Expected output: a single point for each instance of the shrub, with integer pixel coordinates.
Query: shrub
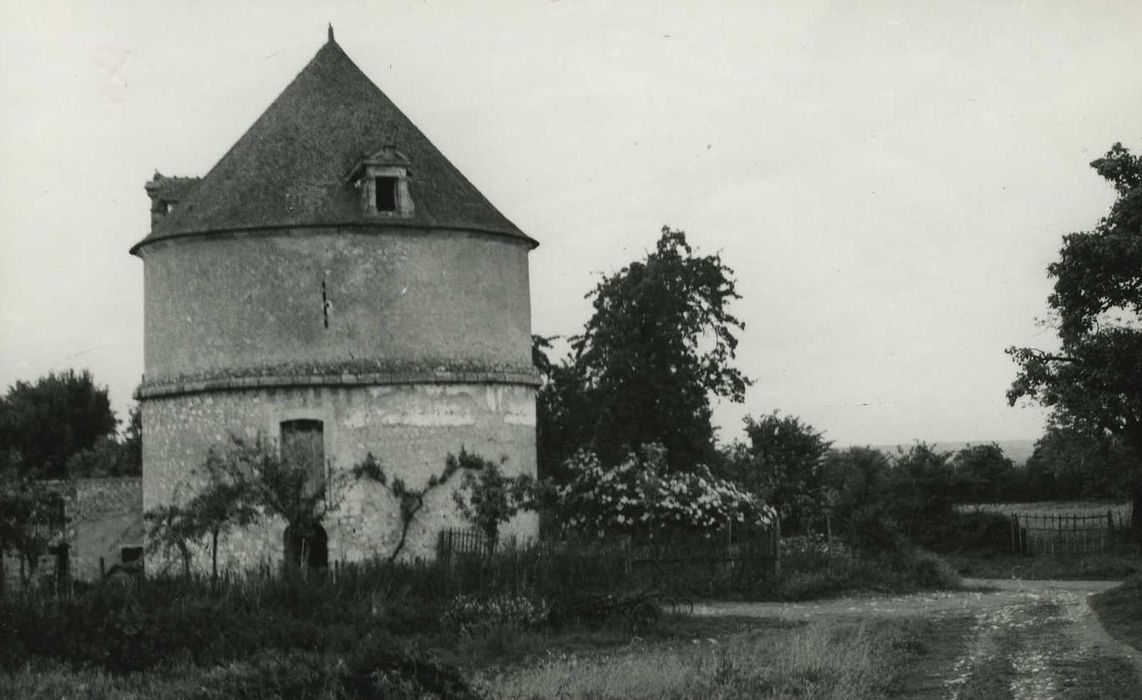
(127, 629)
(487, 498)
(815, 568)
(472, 614)
(926, 570)
(813, 550)
(273, 674)
(975, 532)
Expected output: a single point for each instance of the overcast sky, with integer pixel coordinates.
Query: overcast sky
(888, 180)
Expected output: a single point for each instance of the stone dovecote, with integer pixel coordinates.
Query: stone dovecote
(334, 281)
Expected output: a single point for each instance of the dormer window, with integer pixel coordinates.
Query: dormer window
(383, 182)
(166, 193)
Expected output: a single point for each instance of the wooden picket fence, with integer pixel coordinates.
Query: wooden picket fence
(1059, 533)
(694, 564)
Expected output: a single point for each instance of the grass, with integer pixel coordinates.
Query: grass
(385, 630)
(183, 681)
(273, 674)
(507, 648)
(1120, 611)
(1083, 567)
(1119, 508)
(822, 660)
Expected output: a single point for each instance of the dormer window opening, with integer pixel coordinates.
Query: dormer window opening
(386, 193)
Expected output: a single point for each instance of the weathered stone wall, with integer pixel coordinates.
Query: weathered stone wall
(410, 428)
(104, 516)
(396, 298)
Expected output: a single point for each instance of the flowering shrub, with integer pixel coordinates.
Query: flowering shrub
(639, 496)
(810, 550)
(472, 614)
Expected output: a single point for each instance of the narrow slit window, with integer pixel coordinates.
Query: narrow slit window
(386, 194)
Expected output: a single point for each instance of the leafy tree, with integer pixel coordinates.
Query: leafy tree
(858, 475)
(1093, 382)
(132, 442)
(223, 503)
(1068, 463)
(487, 497)
(42, 424)
(921, 488)
(31, 520)
(107, 457)
(564, 414)
(659, 344)
(245, 480)
(782, 461)
(171, 528)
(281, 482)
(984, 473)
(862, 509)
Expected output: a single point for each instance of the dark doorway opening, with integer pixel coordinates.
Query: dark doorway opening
(303, 448)
(62, 555)
(307, 549)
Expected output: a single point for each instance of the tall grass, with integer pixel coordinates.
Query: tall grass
(823, 660)
(131, 628)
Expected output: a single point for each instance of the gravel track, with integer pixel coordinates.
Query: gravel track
(1013, 639)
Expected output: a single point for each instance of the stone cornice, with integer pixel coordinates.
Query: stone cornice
(291, 229)
(193, 385)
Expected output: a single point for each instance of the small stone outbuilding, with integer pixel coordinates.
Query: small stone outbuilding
(97, 531)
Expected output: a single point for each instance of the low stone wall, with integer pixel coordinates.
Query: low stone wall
(105, 515)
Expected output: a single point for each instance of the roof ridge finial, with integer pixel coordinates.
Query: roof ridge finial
(331, 34)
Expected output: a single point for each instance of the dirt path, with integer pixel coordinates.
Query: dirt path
(1018, 640)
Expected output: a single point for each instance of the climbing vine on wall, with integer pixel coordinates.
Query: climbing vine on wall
(411, 500)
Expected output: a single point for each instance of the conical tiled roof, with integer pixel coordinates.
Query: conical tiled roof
(290, 167)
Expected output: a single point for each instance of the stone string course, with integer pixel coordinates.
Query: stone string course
(189, 386)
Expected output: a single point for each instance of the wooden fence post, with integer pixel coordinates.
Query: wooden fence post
(775, 538)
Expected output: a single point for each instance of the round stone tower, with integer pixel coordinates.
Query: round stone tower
(334, 280)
